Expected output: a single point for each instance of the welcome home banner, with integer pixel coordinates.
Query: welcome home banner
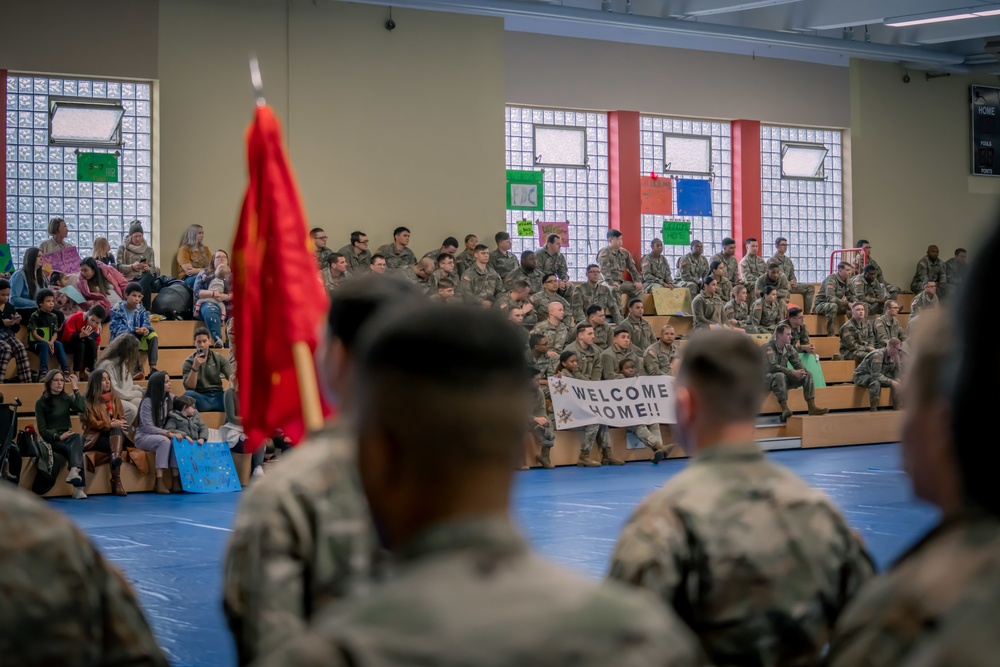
(626, 402)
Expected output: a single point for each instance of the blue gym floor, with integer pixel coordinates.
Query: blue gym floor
(171, 547)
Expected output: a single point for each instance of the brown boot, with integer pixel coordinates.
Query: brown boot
(160, 487)
(117, 445)
(785, 411)
(608, 460)
(815, 410)
(586, 462)
(175, 484)
(544, 459)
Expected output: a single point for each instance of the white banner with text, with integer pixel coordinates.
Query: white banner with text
(627, 402)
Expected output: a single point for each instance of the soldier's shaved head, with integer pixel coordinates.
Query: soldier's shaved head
(725, 370)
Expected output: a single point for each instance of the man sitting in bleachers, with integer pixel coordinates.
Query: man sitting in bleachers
(555, 328)
(527, 272)
(868, 290)
(887, 326)
(929, 268)
(856, 336)
(881, 368)
(926, 300)
(591, 292)
(834, 296)
(203, 372)
(655, 268)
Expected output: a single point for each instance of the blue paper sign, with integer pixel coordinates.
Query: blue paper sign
(207, 468)
(694, 197)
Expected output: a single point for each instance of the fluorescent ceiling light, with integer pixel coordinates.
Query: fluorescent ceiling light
(85, 122)
(940, 17)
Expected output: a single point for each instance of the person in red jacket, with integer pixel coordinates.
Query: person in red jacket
(81, 335)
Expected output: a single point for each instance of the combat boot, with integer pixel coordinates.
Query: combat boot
(608, 460)
(586, 462)
(785, 411)
(815, 410)
(544, 459)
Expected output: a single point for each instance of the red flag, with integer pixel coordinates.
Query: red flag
(279, 301)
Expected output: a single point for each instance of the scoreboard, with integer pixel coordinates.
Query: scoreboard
(985, 130)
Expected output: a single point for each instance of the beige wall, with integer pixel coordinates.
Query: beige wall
(588, 74)
(911, 159)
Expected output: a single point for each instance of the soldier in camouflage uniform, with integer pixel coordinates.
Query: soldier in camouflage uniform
(728, 258)
(693, 267)
(752, 267)
(639, 330)
(966, 636)
(603, 332)
(926, 300)
(775, 278)
(448, 247)
(468, 590)
(421, 274)
(323, 252)
(359, 257)
(594, 292)
(765, 313)
(857, 338)
(780, 378)
(518, 298)
(302, 539)
(588, 355)
(648, 434)
(887, 326)
(655, 268)
(543, 359)
(445, 269)
(614, 260)
(502, 260)
(929, 268)
(481, 284)
(551, 260)
(880, 368)
(398, 256)
(736, 312)
(621, 348)
(527, 272)
(554, 327)
(800, 335)
(834, 296)
(336, 272)
(725, 288)
(569, 366)
(62, 603)
(859, 267)
(869, 291)
(899, 614)
(467, 257)
(657, 358)
(756, 562)
(707, 306)
(548, 294)
(788, 268)
(956, 268)
(540, 423)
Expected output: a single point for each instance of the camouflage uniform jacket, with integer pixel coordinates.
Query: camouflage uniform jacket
(614, 262)
(396, 260)
(656, 272)
(778, 358)
(732, 266)
(534, 279)
(752, 267)
(586, 295)
(955, 272)
(885, 328)
(503, 263)
(879, 366)
(928, 270)
(426, 285)
(856, 338)
(693, 269)
(894, 614)
(859, 268)
(641, 333)
(612, 358)
(464, 260)
(833, 290)
(62, 603)
(724, 290)
(591, 360)
(765, 315)
(781, 285)
(302, 540)
(800, 336)
(707, 311)
(786, 264)
(478, 285)
(922, 301)
(868, 293)
(756, 562)
(473, 593)
(432, 255)
(736, 311)
(552, 263)
(356, 263)
(603, 335)
(657, 358)
(505, 304)
(323, 256)
(332, 283)
(558, 335)
(545, 364)
(440, 274)
(541, 301)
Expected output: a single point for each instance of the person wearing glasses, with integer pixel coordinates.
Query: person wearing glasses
(359, 258)
(323, 253)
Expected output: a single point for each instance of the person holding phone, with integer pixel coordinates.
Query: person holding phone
(203, 372)
(137, 262)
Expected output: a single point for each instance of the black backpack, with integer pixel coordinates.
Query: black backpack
(48, 463)
(174, 301)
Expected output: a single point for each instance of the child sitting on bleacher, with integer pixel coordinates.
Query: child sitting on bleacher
(184, 419)
(44, 326)
(64, 304)
(218, 287)
(10, 346)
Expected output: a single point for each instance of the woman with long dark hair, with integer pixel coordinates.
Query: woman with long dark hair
(151, 436)
(52, 419)
(104, 425)
(94, 285)
(26, 281)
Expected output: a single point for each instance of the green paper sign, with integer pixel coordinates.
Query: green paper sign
(525, 190)
(97, 167)
(525, 228)
(6, 260)
(676, 232)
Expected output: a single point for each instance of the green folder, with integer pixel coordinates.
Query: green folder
(813, 366)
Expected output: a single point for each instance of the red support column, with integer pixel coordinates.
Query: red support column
(624, 190)
(746, 183)
(3, 157)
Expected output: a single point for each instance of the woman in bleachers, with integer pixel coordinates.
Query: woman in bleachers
(120, 360)
(137, 262)
(52, 419)
(58, 231)
(26, 281)
(193, 256)
(104, 425)
(102, 251)
(99, 283)
(209, 312)
(548, 294)
(151, 436)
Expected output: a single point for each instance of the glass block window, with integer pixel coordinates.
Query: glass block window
(561, 146)
(41, 179)
(809, 212)
(689, 143)
(576, 194)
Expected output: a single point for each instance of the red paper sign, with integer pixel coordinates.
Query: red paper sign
(560, 228)
(657, 196)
